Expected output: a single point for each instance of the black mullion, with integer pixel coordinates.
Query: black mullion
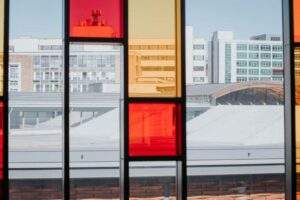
(183, 107)
(98, 40)
(66, 153)
(289, 86)
(5, 101)
(126, 186)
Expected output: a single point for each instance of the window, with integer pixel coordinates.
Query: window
(253, 47)
(253, 71)
(265, 48)
(96, 19)
(265, 64)
(277, 64)
(253, 64)
(198, 57)
(265, 56)
(154, 129)
(241, 63)
(241, 79)
(277, 48)
(241, 71)
(241, 55)
(241, 47)
(265, 72)
(198, 46)
(148, 33)
(253, 55)
(198, 79)
(276, 56)
(198, 68)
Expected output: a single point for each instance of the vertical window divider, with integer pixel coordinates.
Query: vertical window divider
(5, 102)
(289, 105)
(66, 105)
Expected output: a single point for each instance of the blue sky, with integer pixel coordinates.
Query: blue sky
(43, 18)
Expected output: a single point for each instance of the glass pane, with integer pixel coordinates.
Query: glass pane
(94, 120)
(154, 129)
(296, 20)
(96, 19)
(297, 112)
(35, 100)
(152, 180)
(154, 48)
(235, 100)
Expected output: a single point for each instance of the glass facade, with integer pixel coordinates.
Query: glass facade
(219, 131)
(154, 48)
(96, 19)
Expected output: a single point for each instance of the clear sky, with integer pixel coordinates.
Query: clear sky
(43, 18)
(244, 17)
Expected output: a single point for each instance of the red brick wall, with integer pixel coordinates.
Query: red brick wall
(206, 187)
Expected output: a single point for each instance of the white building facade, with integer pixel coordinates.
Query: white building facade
(196, 58)
(258, 59)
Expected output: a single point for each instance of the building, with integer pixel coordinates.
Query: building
(36, 66)
(196, 58)
(258, 59)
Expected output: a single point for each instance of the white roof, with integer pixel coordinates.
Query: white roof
(242, 125)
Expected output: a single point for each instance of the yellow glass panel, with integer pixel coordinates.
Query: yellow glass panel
(154, 48)
(1, 44)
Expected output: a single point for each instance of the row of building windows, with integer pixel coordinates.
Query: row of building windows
(253, 72)
(257, 47)
(198, 47)
(244, 63)
(244, 55)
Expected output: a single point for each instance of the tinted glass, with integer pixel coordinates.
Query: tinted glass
(154, 48)
(154, 129)
(96, 19)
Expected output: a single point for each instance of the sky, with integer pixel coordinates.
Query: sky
(43, 18)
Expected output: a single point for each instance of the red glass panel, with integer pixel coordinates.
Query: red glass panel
(96, 18)
(154, 129)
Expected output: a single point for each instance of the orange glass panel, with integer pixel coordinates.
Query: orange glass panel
(297, 20)
(154, 48)
(154, 129)
(96, 18)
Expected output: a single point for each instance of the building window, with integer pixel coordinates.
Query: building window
(277, 48)
(253, 71)
(241, 71)
(198, 68)
(253, 47)
(241, 55)
(277, 56)
(253, 64)
(241, 47)
(277, 64)
(265, 64)
(198, 46)
(265, 48)
(241, 63)
(198, 79)
(253, 55)
(198, 57)
(265, 72)
(265, 56)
